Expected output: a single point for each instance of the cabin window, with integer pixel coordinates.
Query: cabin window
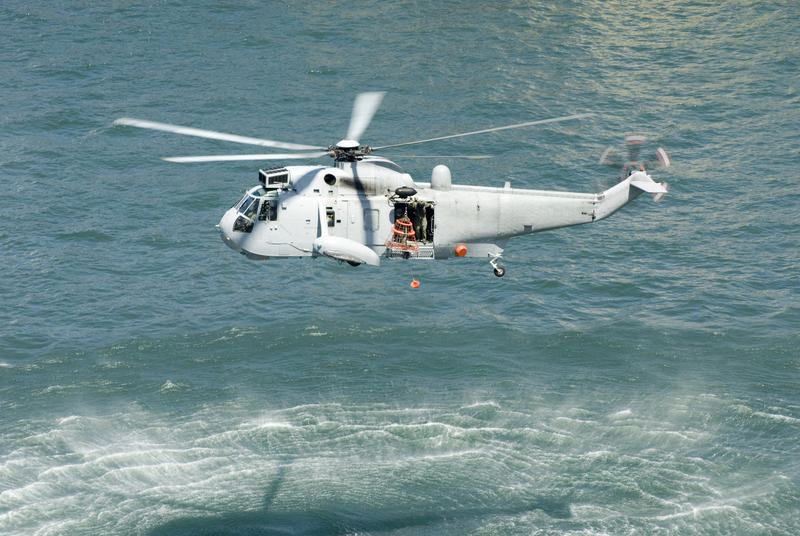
(331, 216)
(372, 219)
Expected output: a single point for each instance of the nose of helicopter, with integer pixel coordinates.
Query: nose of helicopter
(225, 227)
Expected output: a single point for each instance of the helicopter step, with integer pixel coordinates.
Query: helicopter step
(423, 251)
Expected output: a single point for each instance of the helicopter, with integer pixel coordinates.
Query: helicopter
(364, 207)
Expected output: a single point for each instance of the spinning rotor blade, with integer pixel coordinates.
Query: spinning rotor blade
(634, 143)
(465, 156)
(189, 131)
(662, 159)
(611, 158)
(235, 157)
(495, 129)
(364, 108)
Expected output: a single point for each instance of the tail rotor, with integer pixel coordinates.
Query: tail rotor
(634, 143)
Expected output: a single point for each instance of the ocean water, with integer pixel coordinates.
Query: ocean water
(640, 375)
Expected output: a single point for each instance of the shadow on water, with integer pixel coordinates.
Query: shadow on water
(343, 519)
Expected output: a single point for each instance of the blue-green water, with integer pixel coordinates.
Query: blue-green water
(636, 376)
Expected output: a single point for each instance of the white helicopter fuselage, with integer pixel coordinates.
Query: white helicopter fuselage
(366, 207)
(348, 212)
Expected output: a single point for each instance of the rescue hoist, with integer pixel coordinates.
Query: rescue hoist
(403, 236)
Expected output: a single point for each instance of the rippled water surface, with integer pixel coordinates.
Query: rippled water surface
(635, 376)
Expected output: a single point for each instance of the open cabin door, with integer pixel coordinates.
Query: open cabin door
(413, 229)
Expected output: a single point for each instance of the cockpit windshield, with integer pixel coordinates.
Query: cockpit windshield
(259, 203)
(249, 207)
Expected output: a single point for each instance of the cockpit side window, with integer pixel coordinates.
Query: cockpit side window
(269, 210)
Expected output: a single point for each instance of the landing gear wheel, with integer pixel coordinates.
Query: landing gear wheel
(499, 269)
(353, 263)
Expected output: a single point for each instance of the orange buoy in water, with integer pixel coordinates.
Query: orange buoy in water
(415, 284)
(461, 250)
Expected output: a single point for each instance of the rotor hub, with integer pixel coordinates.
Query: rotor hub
(349, 151)
(347, 145)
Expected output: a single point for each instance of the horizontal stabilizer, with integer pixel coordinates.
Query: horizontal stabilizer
(344, 249)
(642, 181)
(651, 186)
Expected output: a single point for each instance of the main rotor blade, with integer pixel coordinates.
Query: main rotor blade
(235, 157)
(465, 156)
(495, 129)
(364, 107)
(189, 131)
